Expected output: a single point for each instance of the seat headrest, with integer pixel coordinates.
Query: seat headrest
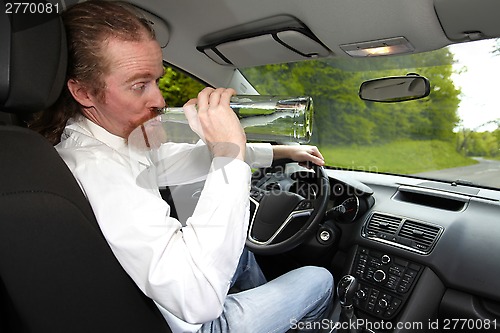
(33, 60)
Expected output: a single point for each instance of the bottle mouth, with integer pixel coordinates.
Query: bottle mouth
(168, 109)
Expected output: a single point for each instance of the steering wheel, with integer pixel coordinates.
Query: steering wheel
(288, 203)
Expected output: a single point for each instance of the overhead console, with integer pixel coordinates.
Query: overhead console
(276, 39)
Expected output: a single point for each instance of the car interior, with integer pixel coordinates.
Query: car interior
(408, 254)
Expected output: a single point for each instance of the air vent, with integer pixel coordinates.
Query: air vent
(405, 233)
(421, 235)
(383, 223)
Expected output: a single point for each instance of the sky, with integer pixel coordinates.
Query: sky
(480, 100)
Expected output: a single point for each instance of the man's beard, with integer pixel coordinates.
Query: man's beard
(149, 134)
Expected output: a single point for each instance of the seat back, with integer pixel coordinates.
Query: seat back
(57, 272)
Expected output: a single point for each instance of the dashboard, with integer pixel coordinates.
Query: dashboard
(421, 250)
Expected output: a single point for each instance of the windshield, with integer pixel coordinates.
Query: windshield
(453, 134)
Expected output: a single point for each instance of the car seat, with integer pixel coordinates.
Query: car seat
(57, 272)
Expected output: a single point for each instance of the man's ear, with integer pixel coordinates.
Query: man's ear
(80, 93)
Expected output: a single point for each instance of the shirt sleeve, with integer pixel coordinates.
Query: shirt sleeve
(173, 158)
(259, 155)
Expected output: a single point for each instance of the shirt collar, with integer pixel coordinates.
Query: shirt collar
(101, 134)
(85, 126)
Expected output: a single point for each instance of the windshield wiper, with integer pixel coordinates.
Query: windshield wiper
(461, 182)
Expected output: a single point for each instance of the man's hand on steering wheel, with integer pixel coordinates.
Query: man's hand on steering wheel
(298, 153)
(287, 207)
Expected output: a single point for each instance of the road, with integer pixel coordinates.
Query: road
(486, 172)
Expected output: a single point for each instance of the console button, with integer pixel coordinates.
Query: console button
(360, 294)
(396, 270)
(395, 303)
(383, 303)
(403, 287)
(389, 312)
(379, 275)
(386, 259)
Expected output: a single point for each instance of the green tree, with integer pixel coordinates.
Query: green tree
(177, 87)
(473, 143)
(341, 117)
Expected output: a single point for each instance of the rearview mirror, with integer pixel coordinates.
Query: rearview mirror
(395, 88)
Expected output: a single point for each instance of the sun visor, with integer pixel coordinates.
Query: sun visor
(276, 44)
(464, 20)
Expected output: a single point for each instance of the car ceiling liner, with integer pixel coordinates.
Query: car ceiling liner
(159, 25)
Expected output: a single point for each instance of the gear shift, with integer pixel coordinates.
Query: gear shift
(345, 290)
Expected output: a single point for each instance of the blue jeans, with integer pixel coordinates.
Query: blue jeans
(304, 294)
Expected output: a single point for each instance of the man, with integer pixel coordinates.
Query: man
(114, 65)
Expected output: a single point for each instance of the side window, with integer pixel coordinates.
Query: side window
(177, 88)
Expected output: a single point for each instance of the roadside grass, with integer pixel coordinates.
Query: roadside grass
(401, 157)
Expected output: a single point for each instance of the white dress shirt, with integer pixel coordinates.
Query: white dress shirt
(186, 270)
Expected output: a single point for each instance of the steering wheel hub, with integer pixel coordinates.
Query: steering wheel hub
(286, 207)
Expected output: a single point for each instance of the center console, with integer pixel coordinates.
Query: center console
(385, 282)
